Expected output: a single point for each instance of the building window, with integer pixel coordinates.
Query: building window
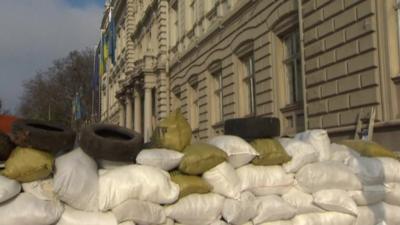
(218, 96)
(191, 17)
(195, 11)
(194, 106)
(292, 62)
(174, 24)
(291, 82)
(176, 98)
(226, 6)
(249, 84)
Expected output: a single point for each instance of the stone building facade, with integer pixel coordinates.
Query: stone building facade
(311, 63)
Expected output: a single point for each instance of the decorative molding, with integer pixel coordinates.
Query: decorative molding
(176, 90)
(215, 66)
(244, 48)
(193, 80)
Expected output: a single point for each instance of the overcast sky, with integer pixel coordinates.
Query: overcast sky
(33, 33)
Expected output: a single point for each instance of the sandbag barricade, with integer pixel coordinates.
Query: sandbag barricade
(312, 182)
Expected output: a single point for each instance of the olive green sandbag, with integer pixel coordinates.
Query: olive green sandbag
(270, 152)
(369, 148)
(189, 184)
(200, 157)
(27, 165)
(173, 132)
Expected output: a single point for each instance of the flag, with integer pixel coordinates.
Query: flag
(111, 38)
(105, 49)
(101, 56)
(77, 107)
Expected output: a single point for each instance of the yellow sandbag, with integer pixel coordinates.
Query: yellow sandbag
(369, 148)
(198, 158)
(271, 152)
(27, 165)
(173, 132)
(189, 184)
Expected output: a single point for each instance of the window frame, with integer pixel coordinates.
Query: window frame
(218, 93)
(293, 61)
(194, 106)
(248, 77)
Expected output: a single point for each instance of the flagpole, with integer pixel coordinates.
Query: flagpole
(93, 74)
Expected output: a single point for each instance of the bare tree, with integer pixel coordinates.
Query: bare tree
(49, 95)
(2, 110)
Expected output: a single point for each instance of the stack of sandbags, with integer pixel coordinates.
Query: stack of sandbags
(29, 168)
(301, 181)
(267, 181)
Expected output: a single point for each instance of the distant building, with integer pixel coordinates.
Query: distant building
(223, 59)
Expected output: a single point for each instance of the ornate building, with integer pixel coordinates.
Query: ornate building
(223, 59)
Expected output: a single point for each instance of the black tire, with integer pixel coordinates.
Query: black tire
(6, 146)
(253, 128)
(46, 136)
(111, 142)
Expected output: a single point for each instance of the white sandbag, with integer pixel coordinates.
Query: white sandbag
(169, 221)
(369, 195)
(197, 209)
(302, 154)
(109, 165)
(382, 223)
(301, 201)
(224, 180)
(218, 222)
(279, 222)
(253, 176)
(392, 193)
(8, 188)
(326, 218)
(327, 175)
(369, 170)
(140, 212)
(238, 150)
(342, 153)
(101, 172)
(41, 189)
(75, 217)
(335, 200)
(374, 171)
(27, 209)
(164, 159)
(76, 180)
(136, 182)
(319, 139)
(130, 223)
(273, 208)
(238, 212)
(374, 214)
(276, 190)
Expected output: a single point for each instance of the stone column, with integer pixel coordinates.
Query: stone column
(138, 109)
(129, 112)
(147, 113)
(122, 113)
